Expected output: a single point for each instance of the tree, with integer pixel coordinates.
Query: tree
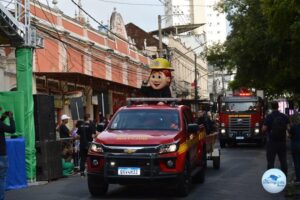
(263, 44)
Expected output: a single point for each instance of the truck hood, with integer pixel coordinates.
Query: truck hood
(137, 137)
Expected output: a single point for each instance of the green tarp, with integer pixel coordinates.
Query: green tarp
(14, 101)
(24, 84)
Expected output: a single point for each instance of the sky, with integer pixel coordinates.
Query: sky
(144, 16)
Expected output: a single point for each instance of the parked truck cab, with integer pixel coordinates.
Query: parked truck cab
(147, 143)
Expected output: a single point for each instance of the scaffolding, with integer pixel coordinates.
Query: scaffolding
(15, 24)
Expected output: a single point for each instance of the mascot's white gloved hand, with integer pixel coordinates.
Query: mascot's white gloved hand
(145, 83)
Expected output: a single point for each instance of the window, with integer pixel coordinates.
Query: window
(239, 106)
(146, 120)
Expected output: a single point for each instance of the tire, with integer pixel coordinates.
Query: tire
(97, 186)
(204, 157)
(216, 162)
(232, 144)
(222, 143)
(184, 181)
(200, 176)
(261, 143)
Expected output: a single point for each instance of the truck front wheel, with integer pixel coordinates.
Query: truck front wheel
(97, 185)
(222, 143)
(184, 181)
(216, 162)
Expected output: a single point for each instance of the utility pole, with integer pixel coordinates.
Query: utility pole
(160, 37)
(214, 86)
(222, 78)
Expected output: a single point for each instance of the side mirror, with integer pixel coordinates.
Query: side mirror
(101, 127)
(193, 128)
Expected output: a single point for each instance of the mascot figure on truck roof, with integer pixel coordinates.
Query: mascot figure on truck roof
(158, 83)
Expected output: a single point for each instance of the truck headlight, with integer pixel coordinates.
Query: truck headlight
(256, 124)
(97, 148)
(222, 124)
(168, 148)
(256, 131)
(223, 131)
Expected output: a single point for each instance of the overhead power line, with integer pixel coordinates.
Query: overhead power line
(175, 58)
(145, 4)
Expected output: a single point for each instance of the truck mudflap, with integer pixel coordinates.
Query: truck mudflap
(210, 141)
(213, 153)
(120, 167)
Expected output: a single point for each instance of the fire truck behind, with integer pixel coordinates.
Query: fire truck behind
(241, 117)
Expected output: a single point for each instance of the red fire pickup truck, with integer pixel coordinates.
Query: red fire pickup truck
(148, 142)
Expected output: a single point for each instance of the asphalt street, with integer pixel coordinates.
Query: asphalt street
(239, 178)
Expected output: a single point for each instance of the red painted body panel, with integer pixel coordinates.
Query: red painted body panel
(190, 145)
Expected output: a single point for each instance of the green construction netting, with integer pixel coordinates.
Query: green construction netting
(14, 101)
(24, 84)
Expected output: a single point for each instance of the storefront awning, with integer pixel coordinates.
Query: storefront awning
(85, 80)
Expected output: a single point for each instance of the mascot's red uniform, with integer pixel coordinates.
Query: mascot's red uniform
(159, 81)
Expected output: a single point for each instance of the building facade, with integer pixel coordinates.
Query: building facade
(80, 61)
(187, 64)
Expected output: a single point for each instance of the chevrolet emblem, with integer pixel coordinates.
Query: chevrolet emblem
(129, 151)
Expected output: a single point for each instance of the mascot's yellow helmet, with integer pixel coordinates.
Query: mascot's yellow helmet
(160, 63)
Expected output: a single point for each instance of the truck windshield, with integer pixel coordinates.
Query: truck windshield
(146, 120)
(248, 107)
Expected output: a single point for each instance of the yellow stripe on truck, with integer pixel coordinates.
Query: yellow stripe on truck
(202, 135)
(239, 115)
(182, 148)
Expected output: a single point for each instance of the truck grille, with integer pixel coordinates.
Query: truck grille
(148, 163)
(132, 149)
(239, 124)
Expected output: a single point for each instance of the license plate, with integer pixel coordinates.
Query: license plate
(129, 171)
(239, 138)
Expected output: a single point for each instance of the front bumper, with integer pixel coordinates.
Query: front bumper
(241, 136)
(150, 166)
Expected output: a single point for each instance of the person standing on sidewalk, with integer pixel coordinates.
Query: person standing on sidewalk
(3, 157)
(275, 125)
(295, 144)
(64, 131)
(86, 132)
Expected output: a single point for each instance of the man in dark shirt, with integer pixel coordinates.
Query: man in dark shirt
(86, 132)
(3, 158)
(205, 120)
(276, 145)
